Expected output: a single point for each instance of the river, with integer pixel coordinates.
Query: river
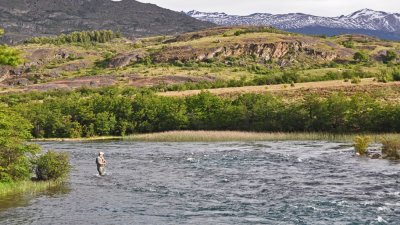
(287, 182)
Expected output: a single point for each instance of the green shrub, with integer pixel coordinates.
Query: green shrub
(356, 80)
(390, 148)
(382, 76)
(14, 152)
(361, 57)
(9, 56)
(361, 144)
(138, 44)
(348, 44)
(239, 32)
(390, 56)
(333, 75)
(52, 166)
(396, 75)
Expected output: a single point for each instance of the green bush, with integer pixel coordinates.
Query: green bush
(348, 44)
(14, 152)
(396, 75)
(390, 148)
(361, 144)
(356, 80)
(239, 32)
(52, 166)
(9, 56)
(361, 57)
(382, 76)
(390, 56)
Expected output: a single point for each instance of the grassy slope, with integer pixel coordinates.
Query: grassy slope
(383, 91)
(89, 59)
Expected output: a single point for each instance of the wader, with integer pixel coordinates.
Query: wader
(100, 168)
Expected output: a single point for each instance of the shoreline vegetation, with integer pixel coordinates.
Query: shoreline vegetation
(119, 112)
(19, 160)
(26, 187)
(226, 136)
(100, 138)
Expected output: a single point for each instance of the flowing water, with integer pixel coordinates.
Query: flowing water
(215, 183)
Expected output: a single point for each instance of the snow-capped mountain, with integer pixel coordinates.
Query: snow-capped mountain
(366, 21)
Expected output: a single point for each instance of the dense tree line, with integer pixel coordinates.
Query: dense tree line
(82, 37)
(116, 111)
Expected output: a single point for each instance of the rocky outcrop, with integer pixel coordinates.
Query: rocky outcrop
(44, 55)
(19, 82)
(7, 72)
(34, 59)
(4, 73)
(263, 51)
(123, 60)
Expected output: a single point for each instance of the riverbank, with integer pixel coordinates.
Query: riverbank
(221, 136)
(226, 136)
(101, 138)
(28, 187)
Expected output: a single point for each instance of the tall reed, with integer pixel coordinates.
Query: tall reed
(361, 144)
(28, 187)
(217, 136)
(390, 148)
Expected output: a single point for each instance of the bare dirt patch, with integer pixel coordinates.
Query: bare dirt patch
(139, 81)
(108, 80)
(74, 83)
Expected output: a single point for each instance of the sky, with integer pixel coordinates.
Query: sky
(245, 7)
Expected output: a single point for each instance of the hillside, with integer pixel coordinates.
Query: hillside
(366, 21)
(23, 19)
(258, 79)
(212, 58)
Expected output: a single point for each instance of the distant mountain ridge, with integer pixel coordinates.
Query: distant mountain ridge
(366, 21)
(27, 18)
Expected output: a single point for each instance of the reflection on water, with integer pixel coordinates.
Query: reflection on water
(215, 183)
(21, 200)
(57, 191)
(11, 201)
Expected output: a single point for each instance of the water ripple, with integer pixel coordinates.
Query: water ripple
(284, 182)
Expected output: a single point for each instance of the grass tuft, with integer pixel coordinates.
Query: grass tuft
(361, 144)
(390, 148)
(28, 187)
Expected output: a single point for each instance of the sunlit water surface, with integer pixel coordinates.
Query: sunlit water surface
(215, 183)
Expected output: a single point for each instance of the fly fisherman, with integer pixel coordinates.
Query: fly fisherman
(101, 164)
